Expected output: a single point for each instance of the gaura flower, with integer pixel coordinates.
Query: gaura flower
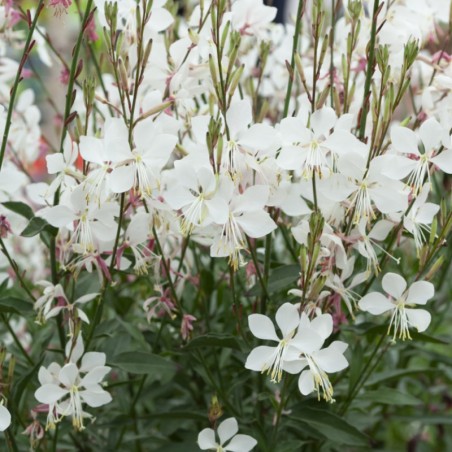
(227, 433)
(398, 303)
(5, 417)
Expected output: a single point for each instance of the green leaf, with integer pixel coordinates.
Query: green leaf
(37, 225)
(331, 426)
(145, 363)
(279, 279)
(426, 419)
(399, 373)
(15, 305)
(214, 340)
(421, 337)
(20, 208)
(389, 396)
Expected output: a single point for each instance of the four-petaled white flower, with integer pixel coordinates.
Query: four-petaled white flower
(227, 433)
(400, 299)
(65, 389)
(270, 359)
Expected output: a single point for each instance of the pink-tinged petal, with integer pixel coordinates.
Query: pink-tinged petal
(68, 375)
(306, 382)
(92, 150)
(5, 418)
(238, 117)
(419, 318)
(49, 394)
(227, 429)
(241, 443)
(95, 397)
(331, 359)
(323, 325)
(95, 376)
(206, 439)
(122, 178)
(91, 360)
(307, 340)
(260, 358)
(256, 224)
(394, 285)
(262, 327)
(420, 292)
(375, 303)
(287, 318)
(322, 121)
(431, 134)
(404, 140)
(444, 161)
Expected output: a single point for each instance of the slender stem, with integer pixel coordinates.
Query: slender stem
(296, 37)
(18, 79)
(16, 339)
(369, 72)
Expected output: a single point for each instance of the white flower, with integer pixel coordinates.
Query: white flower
(270, 359)
(402, 316)
(227, 433)
(5, 418)
(306, 351)
(65, 389)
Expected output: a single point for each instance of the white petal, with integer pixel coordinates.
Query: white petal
(206, 439)
(50, 393)
(323, 325)
(92, 150)
(55, 163)
(260, 358)
(254, 198)
(307, 341)
(420, 292)
(344, 142)
(394, 285)
(5, 418)
(306, 382)
(68, 375)
(91, 360)
(256, 224)
(238, 117)
(259, 137)
(85, 298)
(241, 443)
(96, 398)
(322, 121)
(95, 376)
(331, 359)
(294, 366)
(58, 216)
(287, 318)
(431, 134)
(121, 179)
(419, 318)
(404, 140)
(227, 429)
(375, 303)
(262, 327)
(444, 161)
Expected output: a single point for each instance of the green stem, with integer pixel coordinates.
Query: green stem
(369, 72)
(16, 339)
(296, 36)
(17, 80)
